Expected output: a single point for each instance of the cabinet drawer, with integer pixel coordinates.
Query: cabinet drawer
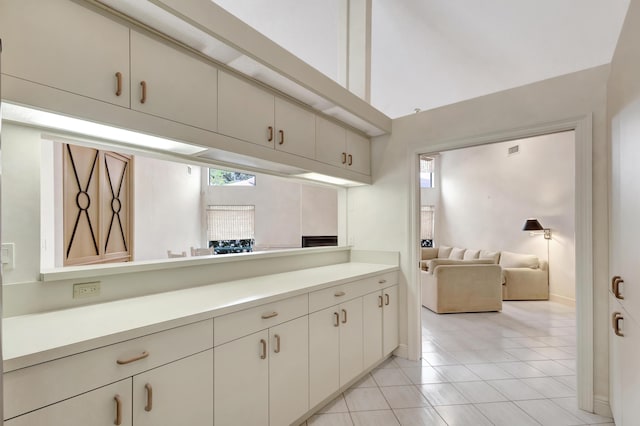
(33, 387)
(238, 324)
(322, 299)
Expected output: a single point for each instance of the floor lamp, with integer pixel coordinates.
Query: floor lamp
(533, 226)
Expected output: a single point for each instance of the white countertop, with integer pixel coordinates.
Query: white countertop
(36, 338)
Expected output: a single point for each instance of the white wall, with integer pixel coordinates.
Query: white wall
(285, 209)
(487, 195)
(167, 210)
(386, 206)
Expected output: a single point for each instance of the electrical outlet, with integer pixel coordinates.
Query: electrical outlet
(81, 290)
(8, 256)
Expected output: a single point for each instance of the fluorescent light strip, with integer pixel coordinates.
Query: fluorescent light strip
(34, 117)
(328, 179)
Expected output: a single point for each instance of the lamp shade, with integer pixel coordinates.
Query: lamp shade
(532, 225)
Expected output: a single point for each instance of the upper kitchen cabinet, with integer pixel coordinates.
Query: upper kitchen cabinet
(245, 111)
(342, 148)
(67, 46)
(296, 129)
(172, 84)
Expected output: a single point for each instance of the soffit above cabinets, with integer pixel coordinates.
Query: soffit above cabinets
(210, 30)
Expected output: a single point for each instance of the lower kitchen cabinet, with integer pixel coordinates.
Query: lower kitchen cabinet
(380, 313)
(99, 407)
(262, 378)
(390, 337)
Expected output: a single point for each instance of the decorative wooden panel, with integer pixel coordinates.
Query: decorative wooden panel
(96, 205)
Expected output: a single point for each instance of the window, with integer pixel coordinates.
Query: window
(218, 177)
(426, 226)
(426, 172)
(231, 229)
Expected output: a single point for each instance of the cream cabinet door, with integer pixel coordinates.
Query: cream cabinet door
(172, 84)
(61, 44)
(350, 340)
(324, 354)
(295, 129)
(177, 393)
(615, 364)
(390, 320)
(288, 371)
(372, 327)
(241, 381)
(630, 373)
(99, 407)
(331, 143)
(358, 153)
(245, 111)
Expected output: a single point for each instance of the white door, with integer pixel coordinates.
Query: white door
(350, 340)
(630, 372)
(372, 328)
(615, 364)
(241, 385)
(358, 153)
(331, 143)
(177, 393)
(295, 129)
(288, 371)
(171, 84)
(390, 320)
(324, 354)
(244, 111)
(96, 408)
(67, 46)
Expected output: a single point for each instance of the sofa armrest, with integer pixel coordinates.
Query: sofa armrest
(525, 284)
(435, 263)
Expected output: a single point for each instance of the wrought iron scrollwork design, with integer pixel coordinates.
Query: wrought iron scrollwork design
(116, 204)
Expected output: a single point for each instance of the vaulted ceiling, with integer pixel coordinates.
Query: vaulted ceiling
(430, 53)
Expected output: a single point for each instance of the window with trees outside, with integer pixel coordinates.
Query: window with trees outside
(427, 216)
(219, 177)
(231, 229)
(426, 172)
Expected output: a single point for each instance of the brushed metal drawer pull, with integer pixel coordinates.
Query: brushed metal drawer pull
(337, 318)
(344, 316)
(118, 401)
(344, 158)
(143, 98)
(350, 160)
(615, 287)
(383, 281)
(281, 137)
(149, 405)
(277, 348)
(143, 355)
(339, 293)
(118, 83)
(270, 128)
(617, 316)
(386, 299)
(263, 348)
(379, 301)
(269, 315)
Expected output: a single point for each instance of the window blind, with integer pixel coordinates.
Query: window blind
(230, 222)
(426, 222)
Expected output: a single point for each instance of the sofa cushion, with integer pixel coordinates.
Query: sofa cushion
(471, 254)
(517, 260)
(456, 253)
(433, 263)
(493, 255)
(444, 252)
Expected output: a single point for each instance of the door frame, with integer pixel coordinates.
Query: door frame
(583, 127)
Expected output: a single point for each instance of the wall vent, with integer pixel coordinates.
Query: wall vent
(513, 150)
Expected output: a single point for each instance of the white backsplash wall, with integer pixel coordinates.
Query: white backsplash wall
(487, 195)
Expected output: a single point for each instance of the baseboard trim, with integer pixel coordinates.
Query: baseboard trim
(402, 351)
(563, 300)
(601, 407)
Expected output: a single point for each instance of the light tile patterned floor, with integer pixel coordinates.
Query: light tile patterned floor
(513, 368)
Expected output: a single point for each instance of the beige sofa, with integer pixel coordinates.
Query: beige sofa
(525, 277)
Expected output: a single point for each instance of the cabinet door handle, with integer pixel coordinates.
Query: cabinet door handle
(616, 317)
(118, 420)
(339, 293)
(344, 158)
(149, 405)
(281, 137)
(336, 316)
(615, 287)
(143, 355)
(270, 315)
(344, 316)
(350, 160)
(263, 348)
(383, 281)
(118, 83)
(270, 139)
(277, 348)
(143, 98)
(386, 299)
(379, 301)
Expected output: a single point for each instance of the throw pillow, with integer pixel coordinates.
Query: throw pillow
(444, 252)
(456, 253)
(471, 254)
(493, 255)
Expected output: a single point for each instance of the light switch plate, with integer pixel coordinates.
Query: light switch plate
(8, 256)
